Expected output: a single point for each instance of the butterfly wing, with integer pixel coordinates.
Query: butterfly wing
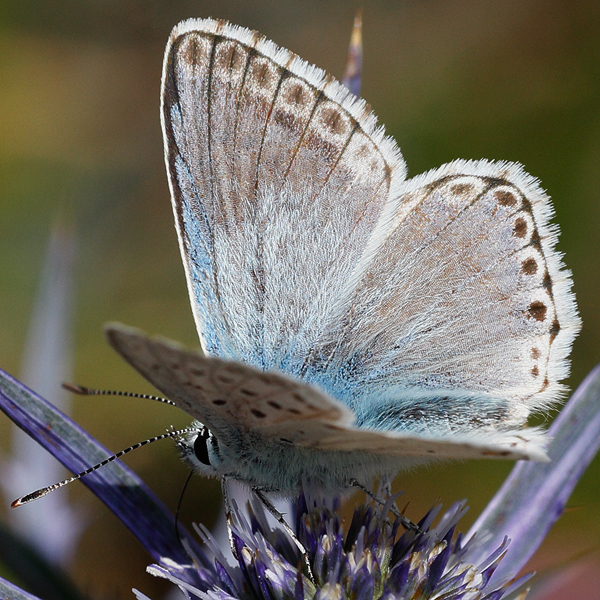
(234, 399)
(231, 398)
(463, 318)
(437, 306)
(278, 178)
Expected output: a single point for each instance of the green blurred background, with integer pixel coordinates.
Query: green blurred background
(80, 134)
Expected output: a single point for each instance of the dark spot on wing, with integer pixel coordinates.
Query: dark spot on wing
(247, 392)
(462, 188)
(505, 198)
(520, 227)
(258, 413)
(219, 402)
(295, 94)
(334, 122)
(274, 404)
(529, 266)
(554, 330)
(537, 310)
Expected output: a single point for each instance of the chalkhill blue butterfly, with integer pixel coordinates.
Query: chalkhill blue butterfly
(354, 322)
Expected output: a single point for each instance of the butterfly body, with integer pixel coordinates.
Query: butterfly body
(353, 321)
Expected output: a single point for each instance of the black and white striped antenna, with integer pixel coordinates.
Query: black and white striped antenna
(77, 389)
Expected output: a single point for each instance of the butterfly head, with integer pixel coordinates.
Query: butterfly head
(200, 449)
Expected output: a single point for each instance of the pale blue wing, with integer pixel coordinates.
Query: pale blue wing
(463, 318)
(276, 428)
(437, 305)
(278, 177)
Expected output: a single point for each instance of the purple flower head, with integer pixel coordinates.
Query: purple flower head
(371, 558)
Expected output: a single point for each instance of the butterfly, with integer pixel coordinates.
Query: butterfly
(353, 322)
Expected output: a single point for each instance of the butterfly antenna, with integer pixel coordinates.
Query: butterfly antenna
(85, 391)
(46, 490)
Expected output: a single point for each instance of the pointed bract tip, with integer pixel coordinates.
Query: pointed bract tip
(353, 74)
(356, 39)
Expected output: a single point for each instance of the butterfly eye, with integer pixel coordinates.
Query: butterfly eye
(201, 447)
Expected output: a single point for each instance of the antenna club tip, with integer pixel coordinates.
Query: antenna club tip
(76, 389)
(30, 497)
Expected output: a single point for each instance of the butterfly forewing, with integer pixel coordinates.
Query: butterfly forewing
(276, 187)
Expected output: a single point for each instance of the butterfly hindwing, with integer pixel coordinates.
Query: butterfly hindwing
(229, 397)
(464, 318)
(232, 399)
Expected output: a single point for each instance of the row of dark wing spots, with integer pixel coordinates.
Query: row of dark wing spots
(537, 310)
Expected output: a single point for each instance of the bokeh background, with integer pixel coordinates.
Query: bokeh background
(80, 137)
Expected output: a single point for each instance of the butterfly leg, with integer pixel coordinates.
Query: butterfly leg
(280, 519)
(405, 521)
(227, 509)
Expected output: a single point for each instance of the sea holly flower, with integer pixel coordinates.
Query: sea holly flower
(371, 558)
